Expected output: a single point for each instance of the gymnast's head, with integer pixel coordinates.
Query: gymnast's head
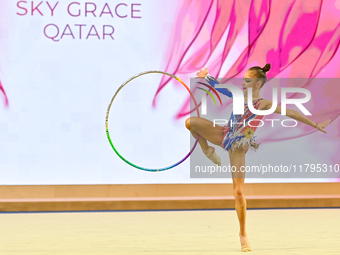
(255, 77)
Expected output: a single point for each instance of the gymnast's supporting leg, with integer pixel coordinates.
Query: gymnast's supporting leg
(237, 159)
(205, 129)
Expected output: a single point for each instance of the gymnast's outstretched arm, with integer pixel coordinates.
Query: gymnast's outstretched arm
(212, 81)
(267, 104)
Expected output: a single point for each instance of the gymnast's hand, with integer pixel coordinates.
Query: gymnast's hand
(322, 125)
(202, 73)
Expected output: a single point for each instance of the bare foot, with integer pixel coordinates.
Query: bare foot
(245, 245)
(210, 153)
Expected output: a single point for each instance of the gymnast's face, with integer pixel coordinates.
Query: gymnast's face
(250, 80)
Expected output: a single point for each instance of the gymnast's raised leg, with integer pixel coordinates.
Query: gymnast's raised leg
(206, 131)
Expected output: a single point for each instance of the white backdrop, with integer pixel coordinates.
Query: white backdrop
(53, 131)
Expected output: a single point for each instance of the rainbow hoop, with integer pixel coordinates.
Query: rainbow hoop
(107, 123)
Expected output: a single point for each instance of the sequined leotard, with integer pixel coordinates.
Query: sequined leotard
(239, 133)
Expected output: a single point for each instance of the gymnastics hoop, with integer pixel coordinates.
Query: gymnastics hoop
(107, 123)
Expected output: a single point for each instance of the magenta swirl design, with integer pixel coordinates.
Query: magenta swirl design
(4, 94)
(299, 38)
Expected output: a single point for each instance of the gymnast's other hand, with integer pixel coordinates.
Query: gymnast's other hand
(322, 125)
(202, 73)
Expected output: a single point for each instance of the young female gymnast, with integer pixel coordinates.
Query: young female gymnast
(237, 138)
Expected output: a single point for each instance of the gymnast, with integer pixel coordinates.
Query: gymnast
(238, 138)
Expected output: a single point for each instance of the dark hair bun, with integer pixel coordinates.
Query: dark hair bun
(266, 68)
